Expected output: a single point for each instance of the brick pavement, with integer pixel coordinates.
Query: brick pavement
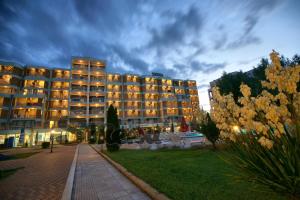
(95, 178)
(43, 177)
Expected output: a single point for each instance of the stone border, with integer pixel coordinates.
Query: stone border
(145, 187)
(67, 195)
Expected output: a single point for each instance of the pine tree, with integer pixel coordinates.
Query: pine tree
(112, 130)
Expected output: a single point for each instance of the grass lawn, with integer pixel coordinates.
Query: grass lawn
(8, 172)
(19, 155)
(190, 174)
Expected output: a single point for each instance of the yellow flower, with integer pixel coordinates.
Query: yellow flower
(265, 142)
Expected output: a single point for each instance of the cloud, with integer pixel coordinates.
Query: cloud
(254, 11)
(137, 65)
(178, 32)
(206, 68)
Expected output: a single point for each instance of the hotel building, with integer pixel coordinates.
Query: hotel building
(41, 97)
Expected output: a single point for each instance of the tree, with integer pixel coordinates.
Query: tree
(113, 140)
(92, 130)
(210, 130)
(230, 83)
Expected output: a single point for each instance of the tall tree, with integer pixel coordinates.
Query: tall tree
(113, 140)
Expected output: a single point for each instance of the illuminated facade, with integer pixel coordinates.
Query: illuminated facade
(41, 97)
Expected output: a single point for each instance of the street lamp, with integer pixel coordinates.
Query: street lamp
(51, 139)
(101, 138)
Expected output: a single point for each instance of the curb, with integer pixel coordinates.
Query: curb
(145, 187)
(67, 195)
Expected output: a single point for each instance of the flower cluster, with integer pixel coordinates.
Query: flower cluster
(266, 115)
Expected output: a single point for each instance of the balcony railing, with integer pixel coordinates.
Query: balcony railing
(60, 87)
(96, 112)
(97, 68)
(83, 112)
(76, 77)
(80, 67)
(26, 116)
(59, 96)
(78, 100)
(96, 100)
(58, 106)
(97, 79)
(29, 104)
(79, 89)
(7, 90)
(61, 76)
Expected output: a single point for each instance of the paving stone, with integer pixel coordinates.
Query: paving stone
(95, 178)
(43, 177)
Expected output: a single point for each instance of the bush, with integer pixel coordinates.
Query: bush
(45, 145)
(92, 140)
(112, 147)
(265, 129)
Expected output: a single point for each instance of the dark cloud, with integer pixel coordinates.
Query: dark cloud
(206, 68)
(175, 34)
(137, 65)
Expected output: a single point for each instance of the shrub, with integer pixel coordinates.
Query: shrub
(45, 145)
(265, 130)
(112, 147)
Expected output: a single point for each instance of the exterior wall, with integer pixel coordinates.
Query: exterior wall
(40, 97)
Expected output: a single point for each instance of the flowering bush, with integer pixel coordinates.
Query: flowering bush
(265, 130)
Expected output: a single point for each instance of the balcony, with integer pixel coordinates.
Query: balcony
(58, 107)
(96, 113)
(149, 115)
(11, 70)
(97, 68)
(78, 113)
(79, 67)
(60, 88)
(7, 90)
(19, 116)
(28, 105)
(59, 96)
(132, 107)
(97, 100)
(78, 89)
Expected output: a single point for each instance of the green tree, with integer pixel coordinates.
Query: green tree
(112, 130)
(92, 130)
(210, 130)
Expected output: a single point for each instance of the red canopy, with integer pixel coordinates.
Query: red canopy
(183, 127)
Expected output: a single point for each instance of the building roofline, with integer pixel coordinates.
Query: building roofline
(87, 58)
(15, 64)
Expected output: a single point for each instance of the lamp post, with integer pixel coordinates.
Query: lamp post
(101, 138)
(51, 139)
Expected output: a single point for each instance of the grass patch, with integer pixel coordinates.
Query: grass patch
(8, 172)
(18, 156)
(190, 174)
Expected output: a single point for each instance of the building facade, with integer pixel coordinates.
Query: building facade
(42, 97)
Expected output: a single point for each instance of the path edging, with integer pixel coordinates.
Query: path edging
(142, 185)
(67, 195)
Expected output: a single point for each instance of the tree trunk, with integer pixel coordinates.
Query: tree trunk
(214, 146)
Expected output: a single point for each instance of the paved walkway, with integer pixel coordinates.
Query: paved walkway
(95, 178)
(43, 177)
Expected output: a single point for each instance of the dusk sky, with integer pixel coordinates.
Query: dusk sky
(182, 39)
